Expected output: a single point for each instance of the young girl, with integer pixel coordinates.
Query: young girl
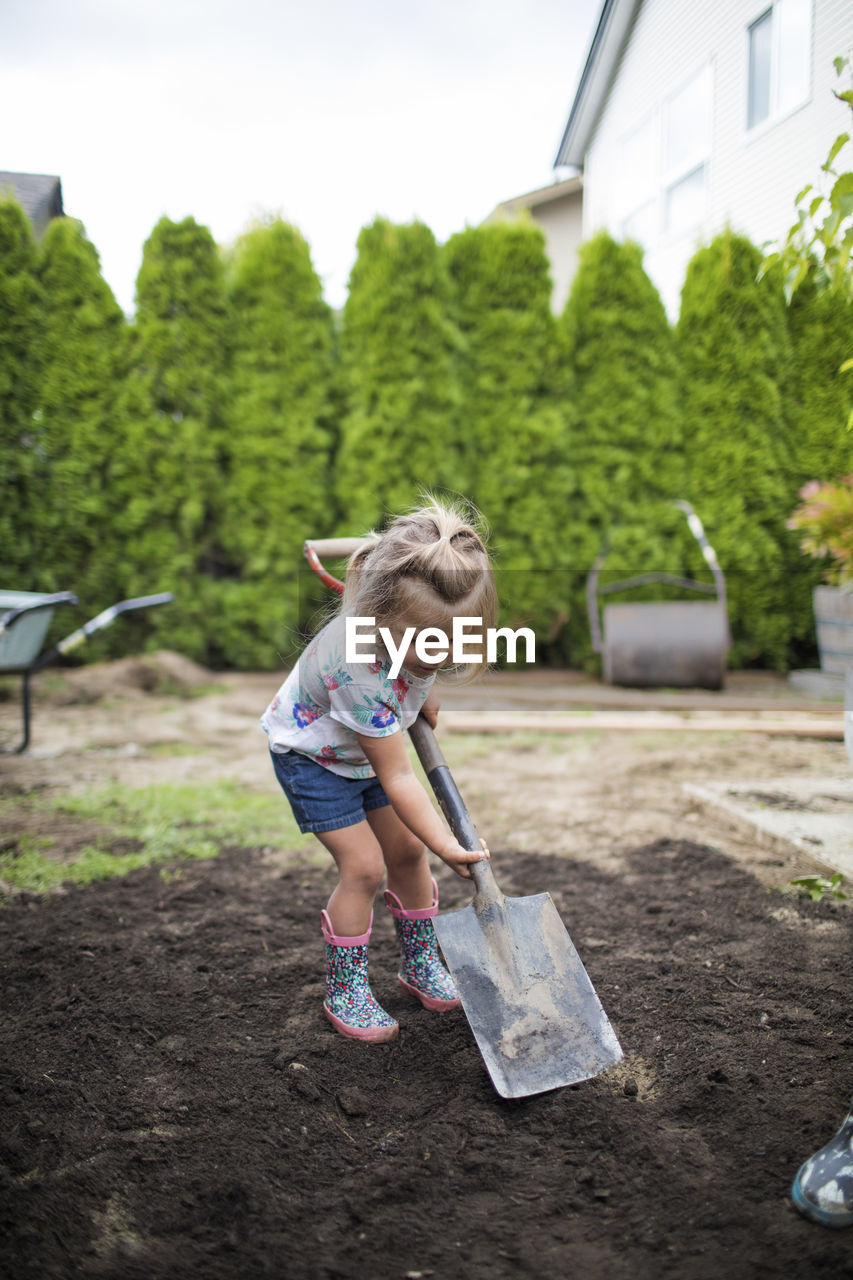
(336, 737)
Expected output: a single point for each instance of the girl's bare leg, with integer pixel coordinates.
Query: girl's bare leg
(405, 856)
(410, 880)
(358, 856)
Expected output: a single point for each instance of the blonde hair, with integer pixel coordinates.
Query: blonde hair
(432, 563)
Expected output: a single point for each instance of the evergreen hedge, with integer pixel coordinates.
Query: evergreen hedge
(20, 368)
(84, 349)
(820, 323)
(169, 470)
(280, 481)
(735, 357)
(515, 422)
(197, 448)
(400, 348)
(626, 450)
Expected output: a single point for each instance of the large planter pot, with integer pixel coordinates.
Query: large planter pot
(833, 611)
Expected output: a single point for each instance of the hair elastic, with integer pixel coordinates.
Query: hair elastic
(444, 538)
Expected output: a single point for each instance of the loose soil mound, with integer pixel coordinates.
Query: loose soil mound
(163, 672)
(176, 1104)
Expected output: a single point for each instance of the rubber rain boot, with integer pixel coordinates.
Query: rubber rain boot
(421, 971)
(823, 1187)
(350, 1005)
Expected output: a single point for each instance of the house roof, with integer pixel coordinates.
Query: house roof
(38, 194)
(614, 24)
(533, 199)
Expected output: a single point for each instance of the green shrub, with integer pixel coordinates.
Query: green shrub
(735, 357)
(626, 448)
(399, 346)
(169, 470)
(820, 324)
(21, 322)
(515, 424)
(77, 430)
(279, 472)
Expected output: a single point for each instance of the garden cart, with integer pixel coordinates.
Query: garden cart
(24, 619)
(675, 643)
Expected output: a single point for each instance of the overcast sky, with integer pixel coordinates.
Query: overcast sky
(327, 113)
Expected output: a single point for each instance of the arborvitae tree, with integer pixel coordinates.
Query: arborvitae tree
(20, 356)
(279, 454)
(515, 422)
(821, 324)
(169, 471)
(627, 446)
(402, 431)
(733, 344)
(77, 430)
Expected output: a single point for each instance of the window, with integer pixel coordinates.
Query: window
(686, 147)
(640, 165)
(686, 201)
(779, 72)
(664, 161)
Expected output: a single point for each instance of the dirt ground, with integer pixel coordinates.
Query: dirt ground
(174, 1103)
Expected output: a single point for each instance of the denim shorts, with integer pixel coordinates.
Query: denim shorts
(322, 800)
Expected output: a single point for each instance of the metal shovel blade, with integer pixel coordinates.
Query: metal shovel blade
(534, 1013)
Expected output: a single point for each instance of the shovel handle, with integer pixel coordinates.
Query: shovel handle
(452, 805)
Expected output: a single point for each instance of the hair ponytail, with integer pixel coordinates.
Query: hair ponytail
(430, 563)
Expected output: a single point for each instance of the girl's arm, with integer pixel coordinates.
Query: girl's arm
(430, 708)
(411, 803)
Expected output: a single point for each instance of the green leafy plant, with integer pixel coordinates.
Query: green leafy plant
(824, 521)
(818, 887)
(819, 245)
(822, 236)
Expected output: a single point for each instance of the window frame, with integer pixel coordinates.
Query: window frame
(777, 111)
(668, 176)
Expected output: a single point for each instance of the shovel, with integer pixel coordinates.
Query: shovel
(534, 1013)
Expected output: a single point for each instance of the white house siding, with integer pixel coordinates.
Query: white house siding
(752, 179)
(561, 221)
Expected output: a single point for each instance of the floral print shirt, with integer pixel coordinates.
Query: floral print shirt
(324, 703)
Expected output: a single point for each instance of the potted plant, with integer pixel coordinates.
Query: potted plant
(824, 521)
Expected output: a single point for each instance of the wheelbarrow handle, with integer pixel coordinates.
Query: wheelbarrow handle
(336, 548)
(100, 621)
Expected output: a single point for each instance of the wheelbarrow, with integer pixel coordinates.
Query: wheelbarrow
(676, 643)
(24, 619)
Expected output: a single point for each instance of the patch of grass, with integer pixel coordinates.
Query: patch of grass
(171, 749)
(225, 810)
(165, 823)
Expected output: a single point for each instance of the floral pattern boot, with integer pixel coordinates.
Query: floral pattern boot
(823, 1187)
(421, 970)
(350, 1005)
